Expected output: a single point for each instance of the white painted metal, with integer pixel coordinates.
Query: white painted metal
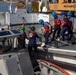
(16, 64)
(44, 9)
(3, 70)
(44, 71)
(75, 24)
(2, 18)
(17, 18)
(71, 72)
(12, 66)
(47, 69)
(62, 58)
(7, 66)
(7, 18)
(40, 6)
(30, 18)
(64, 55)
(69, 52)
(45, 17)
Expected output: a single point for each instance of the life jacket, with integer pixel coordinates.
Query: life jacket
(47, 26)
(57, 22)
(64, 22)
(32, 38)
(31, 34)
(70, 22)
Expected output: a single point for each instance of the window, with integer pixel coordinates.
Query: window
(69, 1)
(53, 1)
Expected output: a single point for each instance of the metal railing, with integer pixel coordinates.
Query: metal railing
(51, 69)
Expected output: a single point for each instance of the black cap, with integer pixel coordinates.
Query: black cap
(33, 28)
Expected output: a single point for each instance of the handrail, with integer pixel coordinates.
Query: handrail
(49, 63)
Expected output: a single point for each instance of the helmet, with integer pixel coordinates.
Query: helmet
(54, 13)
(40, 21)
(33, 28)
(22, 28)
(69, 13)
(62, 13)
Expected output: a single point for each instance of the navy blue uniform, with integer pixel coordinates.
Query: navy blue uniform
(48, 30)
(32, 42)
(57, 24)
(70, 27)
(64, 23)
(21, 40)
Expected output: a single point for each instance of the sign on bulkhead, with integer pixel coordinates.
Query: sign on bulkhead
(45, 17)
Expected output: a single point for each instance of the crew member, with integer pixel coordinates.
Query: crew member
(1, 49)
(56, 24)
(48, 29)
(21, 38)
(64, 25)
(32, 41)
(70, 24)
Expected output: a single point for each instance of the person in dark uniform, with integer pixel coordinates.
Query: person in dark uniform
(32, 44)
(21, 38)
(1, 49)
(70, 25)
(56, 24)
(48, 29)
(64, 25)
